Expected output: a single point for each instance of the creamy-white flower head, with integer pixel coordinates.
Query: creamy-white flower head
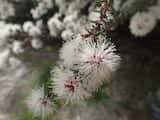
(98, 61)
(8, 30)
(27, 26)
(72, 24)
(38, 11)
(34, 31)
(67, 85)
(70, 50)
(142, 23)
(12, 29)
(39, 104)
(17, 47)
(55, 25)
(66, 34)
(42, 8)
(36, 44)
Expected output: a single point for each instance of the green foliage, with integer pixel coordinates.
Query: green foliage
(44, 80)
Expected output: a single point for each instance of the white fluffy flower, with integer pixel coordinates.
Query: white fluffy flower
(13, 29)
(97, 61)
(39, 11)
(42, 8)
(55, 25)
(9, 30)
(142, 23)
(39, 104)
(17, 47)
(67, 34)
(72, 24)
(27, 26)
(70, 50)
(36, 44)
(67, 85)
(34, 31)
(31, 28)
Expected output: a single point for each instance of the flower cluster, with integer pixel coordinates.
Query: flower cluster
(18, 37)
(68, 21)
(7, 46)
(93, 63)
(87, 61)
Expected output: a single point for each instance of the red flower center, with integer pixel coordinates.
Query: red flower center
(71, 85)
